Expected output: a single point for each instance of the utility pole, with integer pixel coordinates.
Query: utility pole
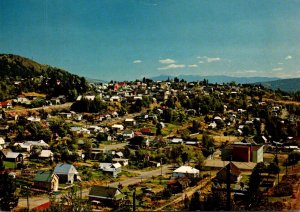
(27, 194)
(160, 166)
(286, 167)
(133, 201)
(228, 190)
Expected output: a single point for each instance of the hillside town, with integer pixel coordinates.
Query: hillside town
(151, 145)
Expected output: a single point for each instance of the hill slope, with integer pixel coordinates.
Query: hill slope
(19, 74)
(289, 85)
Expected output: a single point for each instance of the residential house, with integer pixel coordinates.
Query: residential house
(46, 180)
(2, 141)
(67, 173)
(122, 161)
(111, 168)
(119, 86)
(39, 143)
(22, 147)
(185, 171)
(55, 101)
(12, 116)
(13, 156)
(117, 128)
(127, 134)
(95, 129)
(115, 99)
(46, 154)
(129, 122)
(146, 131)
(6, 105)
(177, 141)
(80, 130)
(212, 125)
(65, 115)
(117, 154)
(78, 117)
(87, 97)
(178, 185)
(233, 171)
(108, 196)
(34, 119)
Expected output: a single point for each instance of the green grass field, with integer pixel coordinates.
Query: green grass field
(9, 165)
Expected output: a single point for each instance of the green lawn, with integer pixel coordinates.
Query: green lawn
(9, 165)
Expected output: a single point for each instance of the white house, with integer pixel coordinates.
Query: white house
(122, 161)
(117, 127)
(115, 99)
(2, 141)
(128, 134)
(45, 153)
(177, 141)
(113, 168)
(130, 122)
(185, 171)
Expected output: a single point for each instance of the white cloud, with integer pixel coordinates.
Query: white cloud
(172, 66)
(213, 59)
(137, 61)
(250, 71)
(289, 57)
(167, 61)
(209, 59)
(277, 69)
(193, 66)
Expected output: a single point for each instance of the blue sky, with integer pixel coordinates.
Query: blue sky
(130, 39)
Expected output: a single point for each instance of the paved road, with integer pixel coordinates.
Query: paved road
(36, 201)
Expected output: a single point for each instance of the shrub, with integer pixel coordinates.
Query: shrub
(283, 189)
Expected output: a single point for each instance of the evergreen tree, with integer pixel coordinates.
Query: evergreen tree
(195, 201)
(8, 198)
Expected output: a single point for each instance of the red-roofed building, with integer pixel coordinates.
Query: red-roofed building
(146, 131)
(138, 133)
(5, 105)
(119, 85)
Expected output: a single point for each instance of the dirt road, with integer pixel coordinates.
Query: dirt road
(46, 108)
(36, 201)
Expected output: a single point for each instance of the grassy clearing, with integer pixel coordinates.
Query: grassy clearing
(10, 165)
(169, 129)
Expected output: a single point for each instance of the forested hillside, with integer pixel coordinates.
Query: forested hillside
(19, 74)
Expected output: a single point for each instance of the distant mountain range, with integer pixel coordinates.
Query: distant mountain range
(217, 78)
(96, 81)
(289, 85)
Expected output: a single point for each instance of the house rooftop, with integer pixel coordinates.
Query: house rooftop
(43, 176)
(186, 169)
(62, 168)
(105, 192)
